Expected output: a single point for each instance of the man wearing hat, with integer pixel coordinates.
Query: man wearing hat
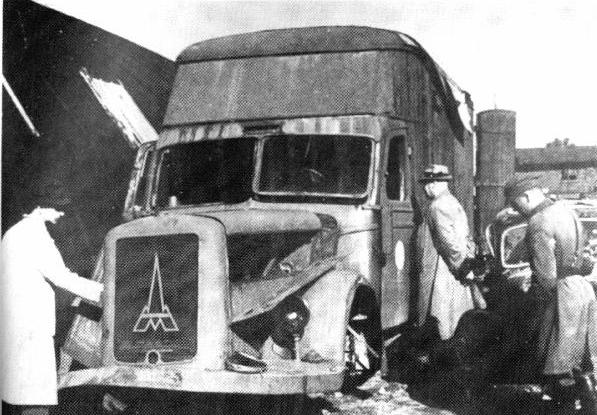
(567, 300)
(446, 255)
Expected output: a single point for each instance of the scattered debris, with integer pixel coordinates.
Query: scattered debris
(378, 396)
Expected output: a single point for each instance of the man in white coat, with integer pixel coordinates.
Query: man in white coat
(30, 265)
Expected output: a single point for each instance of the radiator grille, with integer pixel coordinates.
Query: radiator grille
(156, 298)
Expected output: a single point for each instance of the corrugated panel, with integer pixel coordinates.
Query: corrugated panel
(282, 87)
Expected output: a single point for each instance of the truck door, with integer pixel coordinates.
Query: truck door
(397, 229)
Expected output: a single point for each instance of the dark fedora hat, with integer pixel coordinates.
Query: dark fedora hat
(436, 173)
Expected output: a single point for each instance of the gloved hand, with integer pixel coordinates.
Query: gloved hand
(463, 273)
(478, 266)
(482, 264)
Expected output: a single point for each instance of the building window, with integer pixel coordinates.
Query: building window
(569, 174)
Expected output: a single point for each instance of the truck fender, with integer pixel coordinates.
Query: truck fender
(329, 300)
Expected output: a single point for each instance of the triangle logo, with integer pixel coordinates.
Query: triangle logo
(155, 313)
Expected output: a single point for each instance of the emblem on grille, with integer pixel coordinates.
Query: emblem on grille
(150, 317)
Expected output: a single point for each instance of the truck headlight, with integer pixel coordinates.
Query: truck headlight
(290, 319)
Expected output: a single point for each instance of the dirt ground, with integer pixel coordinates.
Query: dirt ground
(376, 397)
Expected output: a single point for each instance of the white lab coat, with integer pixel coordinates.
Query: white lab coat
(29, 261)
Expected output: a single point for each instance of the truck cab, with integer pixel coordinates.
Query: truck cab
(286, 172)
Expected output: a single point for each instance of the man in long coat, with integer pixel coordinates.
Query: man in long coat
(29, 265)
(567, 331)
(446, 253)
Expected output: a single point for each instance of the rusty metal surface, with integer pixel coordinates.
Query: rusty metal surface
(359, 229)
(365, 125)
(281, 378)
(350, 218)
(201, 374)
(281, 87)
(235, 82)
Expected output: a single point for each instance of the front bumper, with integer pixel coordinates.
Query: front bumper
(281, 378)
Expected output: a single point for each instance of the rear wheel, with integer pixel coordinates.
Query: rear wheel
(362, 346)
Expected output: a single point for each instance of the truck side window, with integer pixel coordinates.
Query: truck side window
(143, 184)
(396, 170)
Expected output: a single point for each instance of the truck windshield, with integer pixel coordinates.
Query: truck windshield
(221, 171)
(210, 171)
(321, 165)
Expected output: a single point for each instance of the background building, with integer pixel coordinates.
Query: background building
(566, 170)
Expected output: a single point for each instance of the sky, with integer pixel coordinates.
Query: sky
(537, 58)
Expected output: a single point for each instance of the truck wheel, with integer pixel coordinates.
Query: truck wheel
(362, 346)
